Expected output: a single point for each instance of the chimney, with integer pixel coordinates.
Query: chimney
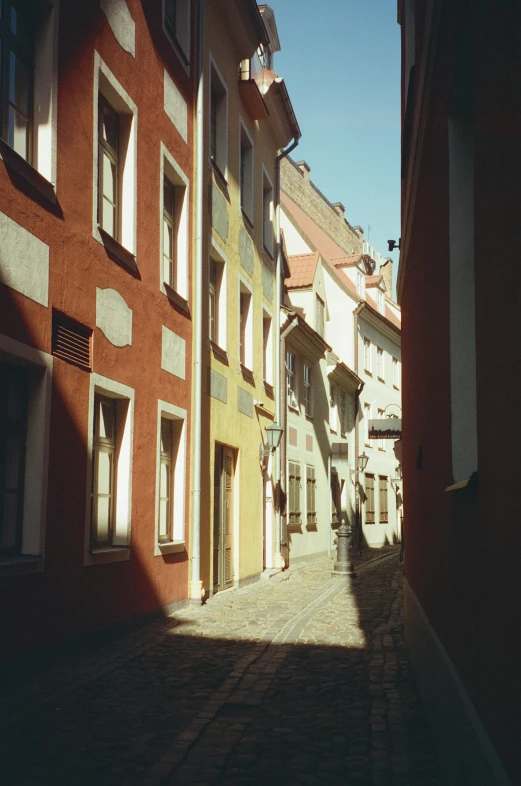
(386, 270)
(339, 208)
(305, 169)
(359, 231)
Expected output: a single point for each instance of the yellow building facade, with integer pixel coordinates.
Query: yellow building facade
(247, 121)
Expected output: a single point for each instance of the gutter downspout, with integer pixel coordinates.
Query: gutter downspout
(280, 399)
(196, 585)
(358, 516)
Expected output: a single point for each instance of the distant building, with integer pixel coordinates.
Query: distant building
(336, 292)
(459, 290)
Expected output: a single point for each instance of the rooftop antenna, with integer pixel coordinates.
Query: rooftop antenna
(369, 227)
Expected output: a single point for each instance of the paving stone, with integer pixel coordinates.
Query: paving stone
(297, 680)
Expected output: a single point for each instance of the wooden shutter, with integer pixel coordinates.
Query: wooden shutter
(384, 512)
(369, 501)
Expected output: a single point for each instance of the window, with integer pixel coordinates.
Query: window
(380, 364)
(396, 374)
(28, 40)
(246, 160)
(115, 161)
(360, 283)
(320, 317)
(25, 395)
(14, 394)
(218, 121)
(294, 512)
(267, 214)
(333, 407)
(308, 390)
(369, 499)
(176, 23)
(291, 380)
(170, 479)
(380, 301)
(367, 356)
(267, 348)
(17, 38)
(381, 441)
(245, 327)
(311, 512)
(382, 494)
(174, 200)
(110, 448)
(367, 416)
(217, 296)
(342, 411)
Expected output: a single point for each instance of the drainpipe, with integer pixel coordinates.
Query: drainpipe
(196, 585)
(280, 399)
(358, 516)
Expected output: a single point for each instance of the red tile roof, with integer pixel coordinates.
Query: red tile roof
(302, 269)
(330, 251)
(373, 281)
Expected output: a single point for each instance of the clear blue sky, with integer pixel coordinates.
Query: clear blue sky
(340, 61)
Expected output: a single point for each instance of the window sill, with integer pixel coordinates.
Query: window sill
(248, 223)
(175, 547)
(102, 555)
(220, 179)
(380, 379)
(269, 389)
(219, 353)
(468, 484)
(395, 387)
(311, 526)
(247, 374)
(268, 254)
(115, 249)
(382, 450)
(15, 163)
(332, 430)
(369, 373)
(295, 526)
(176, 299)
(309, 417)
(296, 410)
(20, 564)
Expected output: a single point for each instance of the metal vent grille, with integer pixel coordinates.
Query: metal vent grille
(71, 341)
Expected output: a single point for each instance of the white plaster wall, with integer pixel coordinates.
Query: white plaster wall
(173, 353)
(121, 24)
(175, 106)
(339, 329)
(295, 243)
(24, 261)
(113, 317)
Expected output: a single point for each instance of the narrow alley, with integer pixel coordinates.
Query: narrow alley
(295, 680)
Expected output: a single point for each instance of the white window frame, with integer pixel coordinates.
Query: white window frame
(380, 364)
(267, 347)
(181, 41)
(360, 283)
(367, 417)
(291, 379)
(333, 413)
(380, 301)
(123, 502)
(170, 169)
(368, 356)
(396, 373)
(217, 255)
(245, 289)
(220, 161)
(246, 200)
(342, 411)
(268, 236)
(44, 120)
(39, 366)
(171, 412)
(106, 83)
(381, 441)
(307, 379)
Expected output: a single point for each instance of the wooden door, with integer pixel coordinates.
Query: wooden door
(223, 518)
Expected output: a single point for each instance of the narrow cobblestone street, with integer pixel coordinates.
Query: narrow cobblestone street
(293, 680)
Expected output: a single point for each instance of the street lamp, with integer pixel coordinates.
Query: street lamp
(362, 462)
(273, 435)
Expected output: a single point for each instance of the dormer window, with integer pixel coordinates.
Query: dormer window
(380, 301)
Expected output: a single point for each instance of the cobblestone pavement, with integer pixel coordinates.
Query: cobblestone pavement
(302, 679)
